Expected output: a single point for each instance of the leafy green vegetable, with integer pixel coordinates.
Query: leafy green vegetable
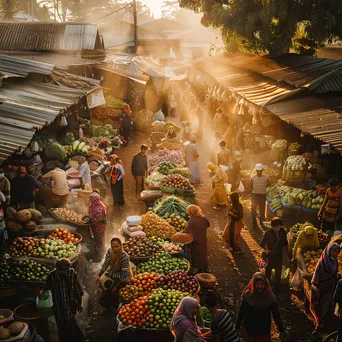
(54, 151)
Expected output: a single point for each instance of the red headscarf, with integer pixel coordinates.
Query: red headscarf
(127, 109)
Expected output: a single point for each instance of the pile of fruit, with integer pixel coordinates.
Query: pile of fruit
(311, 258)
(165, 156)
(180, 281)
(310, 199)
(158, 126)
(27, 270)
(165, 167)
(153, 225)
(172, 248)
(176, 221)
(183, 171)
(182, 238)
(177, 182)
(276, 204)
(23, 221)
(141, 285)
(141, 247)
(77, 148)
(42, 248)
(63, 234)
(153, 311)
(323, 238)
(168, 206)
(163, 263)
(157, 136)
(69, 215)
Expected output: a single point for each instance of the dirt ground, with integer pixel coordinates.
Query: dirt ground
(232, 271)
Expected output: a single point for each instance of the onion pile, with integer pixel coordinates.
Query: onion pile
(180, 281)
(176, 182)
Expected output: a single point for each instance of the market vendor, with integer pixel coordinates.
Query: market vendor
(331, 208)
(23, 189)
(171, 133)
(307, 239)
(5, 189)
(58, 197)
(139, 169)
(115, 267)
(85, 175)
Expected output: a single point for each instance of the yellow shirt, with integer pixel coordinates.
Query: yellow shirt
(59, 178)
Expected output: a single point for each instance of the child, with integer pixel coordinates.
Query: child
(108, 298)
(232, 231)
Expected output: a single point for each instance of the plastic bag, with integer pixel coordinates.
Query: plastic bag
(241, 188)
(45, 302)
(297, 281)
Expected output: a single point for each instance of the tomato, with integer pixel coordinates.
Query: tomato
(139, 324)
(134, 324)
(129, 322)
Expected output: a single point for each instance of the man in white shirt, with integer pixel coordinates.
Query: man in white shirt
(84, 175)
(58, 196)
(259, 183)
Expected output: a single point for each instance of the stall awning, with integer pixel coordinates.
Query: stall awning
(26, 107)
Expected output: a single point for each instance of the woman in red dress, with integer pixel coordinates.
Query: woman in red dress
(197, 227)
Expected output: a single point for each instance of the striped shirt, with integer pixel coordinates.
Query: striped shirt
(259, 184)
(222, 325)
(124, 271)
(66, 294)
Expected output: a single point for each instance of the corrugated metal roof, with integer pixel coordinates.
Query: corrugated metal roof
(49, 37)
(312, 116)
(26, 107)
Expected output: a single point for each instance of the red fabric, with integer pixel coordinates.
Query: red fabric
(237, 233)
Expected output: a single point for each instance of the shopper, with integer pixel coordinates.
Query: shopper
(67, 296)
(259, 183)
(240, 140)
(338, 300)
(115, 267)
(234, 176)
(126, 118)
(197, 227)
(117, 174)
(215, 142)
(331, 208)
(218, 119)
(222, 326)
(139, 169)
(323, 285)
(23, 189)
(275, 243)
(256, 311)
(57, 197)
(307, 239)
(223, 155)
(98, 221)
(186, 136)
(232, 231)
(183, 323)
(5, 189)
(191, 159)
(218, 179)
(85, 175)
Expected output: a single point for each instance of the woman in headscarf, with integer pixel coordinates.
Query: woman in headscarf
(183, 324)
(115, 267)
(171, 133)
(218, 178)
(307, 239)
(98, 220)
(186, 135)
(117, 174)
(197, 227)
(126, 121)
(323, 284)
(232, 231)
(214, 146)
(256, 310)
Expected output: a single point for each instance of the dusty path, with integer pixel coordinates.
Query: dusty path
(233, 271)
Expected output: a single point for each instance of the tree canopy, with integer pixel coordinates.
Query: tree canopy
(273, 26)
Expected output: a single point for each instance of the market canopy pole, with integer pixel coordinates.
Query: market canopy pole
(135, 26)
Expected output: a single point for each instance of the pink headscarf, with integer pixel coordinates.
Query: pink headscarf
(97, 210)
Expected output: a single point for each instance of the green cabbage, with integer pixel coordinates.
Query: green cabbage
(54, 151)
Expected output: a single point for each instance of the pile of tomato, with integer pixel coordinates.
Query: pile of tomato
(63, 234)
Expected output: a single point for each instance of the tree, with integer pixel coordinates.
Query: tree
(273, 26)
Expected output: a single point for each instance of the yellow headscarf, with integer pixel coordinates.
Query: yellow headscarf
(212, 167)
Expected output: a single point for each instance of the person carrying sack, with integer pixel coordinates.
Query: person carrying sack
(117, 175)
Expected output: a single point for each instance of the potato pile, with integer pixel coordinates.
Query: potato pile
(179, 223)
(177, 182)
(311, 258)
(155, 226)
(172, 248)
(69, 215)
(23, 221)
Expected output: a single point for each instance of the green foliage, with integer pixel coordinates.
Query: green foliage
(273, 26)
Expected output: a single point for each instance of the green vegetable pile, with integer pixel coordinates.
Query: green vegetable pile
(67, 139)
(276, 204)
(168, 206)
(27, 270)
(54, 151)
(115, 103)
(163, 263)
(165, 167)
(183, 171)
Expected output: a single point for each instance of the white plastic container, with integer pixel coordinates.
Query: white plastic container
(133, 221)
